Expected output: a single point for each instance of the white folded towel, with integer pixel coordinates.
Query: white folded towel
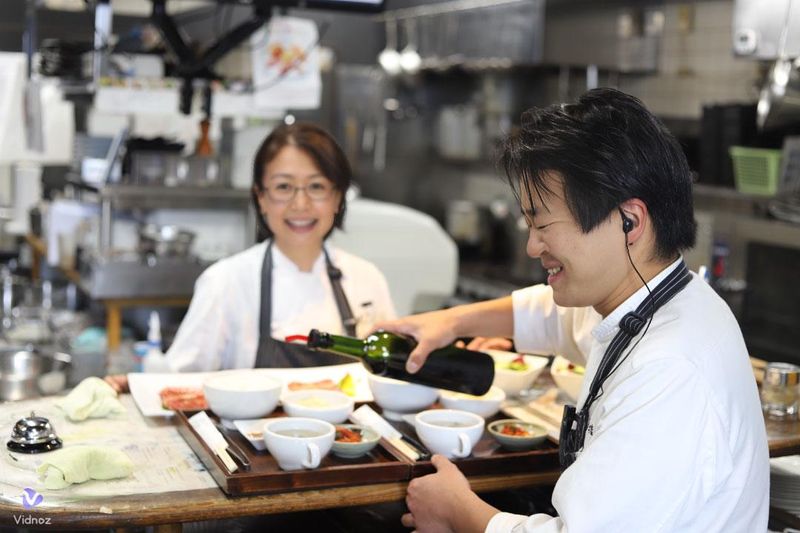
(78, 464)
(92, 398)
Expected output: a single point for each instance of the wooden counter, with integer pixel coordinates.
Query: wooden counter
(167, 510)
(170, 509)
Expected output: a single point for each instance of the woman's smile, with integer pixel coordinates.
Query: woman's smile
(301, 225)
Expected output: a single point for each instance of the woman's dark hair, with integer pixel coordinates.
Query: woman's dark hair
(320, 146)
(608, 148)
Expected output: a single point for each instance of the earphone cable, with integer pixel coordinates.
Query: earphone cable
(647, 326)
(649, 318)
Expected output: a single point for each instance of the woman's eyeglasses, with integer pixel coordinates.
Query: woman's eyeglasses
(284, 192)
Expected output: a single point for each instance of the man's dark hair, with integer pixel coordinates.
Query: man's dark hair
(608, 148)
(320, 146)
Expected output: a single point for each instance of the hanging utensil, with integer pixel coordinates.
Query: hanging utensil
(389, 58)
(410, 60)
(779, 101)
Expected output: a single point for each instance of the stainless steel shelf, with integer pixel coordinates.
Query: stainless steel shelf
(139, 197)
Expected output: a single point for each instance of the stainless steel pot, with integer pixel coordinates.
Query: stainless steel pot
(29, 373)
(165, 241)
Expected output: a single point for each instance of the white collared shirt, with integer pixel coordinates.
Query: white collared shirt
(220, 329)
(677, 439)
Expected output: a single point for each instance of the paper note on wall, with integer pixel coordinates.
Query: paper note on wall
(286, 64)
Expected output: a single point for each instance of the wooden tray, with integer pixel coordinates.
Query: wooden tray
(382, 464)
(489, 458)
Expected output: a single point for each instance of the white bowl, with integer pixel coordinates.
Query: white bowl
(351, 450)
(238, 394)
(397, 397)
(533, 435)
(485, 406)
(567, 380)
(298, 443)
(515, 381)
(330, 406)
(449, 432)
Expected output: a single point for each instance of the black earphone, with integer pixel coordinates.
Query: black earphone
(627, 224)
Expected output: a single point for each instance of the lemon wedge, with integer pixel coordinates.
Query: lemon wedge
(348, 385)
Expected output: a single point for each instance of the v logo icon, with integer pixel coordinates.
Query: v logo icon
(31, 498)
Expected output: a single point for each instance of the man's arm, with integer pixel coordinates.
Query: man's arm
(493, 318)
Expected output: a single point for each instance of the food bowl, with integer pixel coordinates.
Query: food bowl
(485, 406)
(298, 443)
(399, 397)
(352, 449)
(241, 394)
(568, 377)
(510, 379)
(330, 406)
(517, 435)
(449, 432)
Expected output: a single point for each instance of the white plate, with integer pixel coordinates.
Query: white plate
(246, 427)
(145, 388)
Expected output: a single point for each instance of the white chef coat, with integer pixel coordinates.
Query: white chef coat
(676, 440)
(221, 327)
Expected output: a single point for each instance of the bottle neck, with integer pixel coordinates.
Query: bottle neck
(336, 343)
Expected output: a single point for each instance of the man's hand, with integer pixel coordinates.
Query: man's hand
(444, 502)
(480, 344)
(431, 330)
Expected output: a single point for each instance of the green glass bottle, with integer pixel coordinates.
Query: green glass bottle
(385, 354)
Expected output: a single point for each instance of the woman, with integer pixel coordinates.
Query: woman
(246, 304)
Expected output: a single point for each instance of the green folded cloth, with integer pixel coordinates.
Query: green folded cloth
(92, 398)
(77, 464)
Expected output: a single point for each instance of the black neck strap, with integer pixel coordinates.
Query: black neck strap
(335, 276)
(575, 423)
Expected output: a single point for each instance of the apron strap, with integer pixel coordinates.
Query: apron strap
(272, 352)
(335, 275)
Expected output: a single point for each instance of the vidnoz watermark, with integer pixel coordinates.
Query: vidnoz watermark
(30, 500)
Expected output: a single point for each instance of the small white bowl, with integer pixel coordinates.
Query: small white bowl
(567, 380)
(515, 381)
(449, 432)
(351, 450)
(485, 406)
(298, 443)
(534, 435)
(238, 394)
(398, 397)
(330, 406)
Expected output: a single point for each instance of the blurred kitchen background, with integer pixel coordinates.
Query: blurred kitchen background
(113, 200)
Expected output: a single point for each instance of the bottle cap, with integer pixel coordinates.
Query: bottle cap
(154, 328)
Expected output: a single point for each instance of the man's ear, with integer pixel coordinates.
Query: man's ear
(634, 216)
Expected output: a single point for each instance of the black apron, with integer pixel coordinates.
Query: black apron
(575, 423)
(273, 353)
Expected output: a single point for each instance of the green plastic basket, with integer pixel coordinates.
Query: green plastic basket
(756, 170)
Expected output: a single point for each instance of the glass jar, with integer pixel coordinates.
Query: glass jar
(780, 392)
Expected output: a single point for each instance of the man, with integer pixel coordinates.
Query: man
(668, 434)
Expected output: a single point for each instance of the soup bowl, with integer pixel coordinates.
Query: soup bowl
(298, 443)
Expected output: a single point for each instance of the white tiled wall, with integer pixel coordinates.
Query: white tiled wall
(695, 66)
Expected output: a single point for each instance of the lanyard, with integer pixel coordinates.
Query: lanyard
(575, 423)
